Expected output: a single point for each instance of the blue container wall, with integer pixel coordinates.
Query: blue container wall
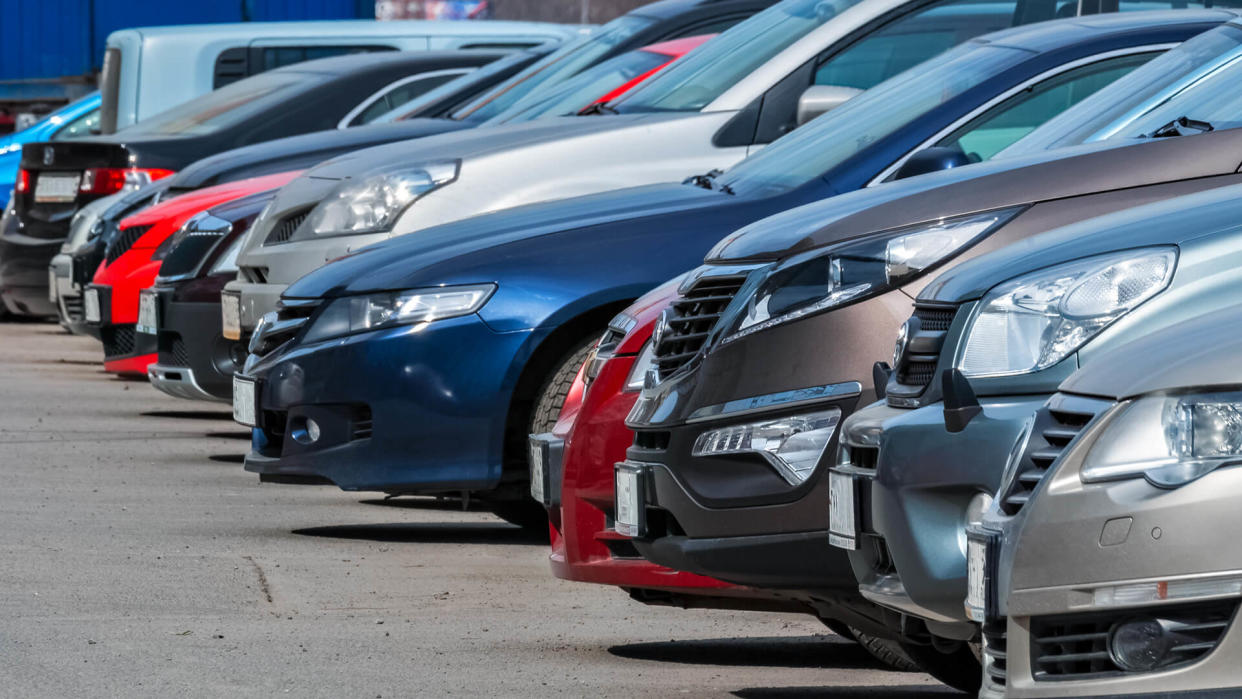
(57, 38)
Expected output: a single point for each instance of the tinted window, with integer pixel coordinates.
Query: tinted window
(280, 56)
(989, 133)
(226, 106)
(85, 125)
(584, 89)
(399, 94)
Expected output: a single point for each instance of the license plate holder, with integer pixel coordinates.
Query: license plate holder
(56, 187)
(981, 567)
(546, 451)
(90, 306)
(148, 313)
(245, 401)
(843, 529)
(230, 316)
(631, 506)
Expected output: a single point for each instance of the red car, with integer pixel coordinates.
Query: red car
(132, 261)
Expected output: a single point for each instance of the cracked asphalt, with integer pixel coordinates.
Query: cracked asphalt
(137, 559)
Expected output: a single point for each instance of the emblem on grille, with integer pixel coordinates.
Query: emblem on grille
(49, 154)
(903, 336)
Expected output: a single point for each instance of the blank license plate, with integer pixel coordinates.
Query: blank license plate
(976, 577)
(842, 517)
(51, 286)
(90, 306)
(244, 401)
(230, 315)
(56, 188)
(537, 486)
(629, 511)
(148, 314)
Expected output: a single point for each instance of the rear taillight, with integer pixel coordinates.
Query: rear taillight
(110, 180)
(23, 181)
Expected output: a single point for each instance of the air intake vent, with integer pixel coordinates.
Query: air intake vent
(118, 340)
(995, 666)
(917, 365)
(1056, 425)
(291, 315)
(231, 65)
(364, 424)
(124, 242)
(283, 230)
(691, 318)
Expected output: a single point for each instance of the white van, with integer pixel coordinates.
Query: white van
(150, 69)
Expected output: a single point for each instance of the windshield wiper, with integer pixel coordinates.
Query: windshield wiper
(708, 181)
(597, 109)
(1181, 126)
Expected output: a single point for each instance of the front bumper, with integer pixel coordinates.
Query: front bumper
(256, 300)
(407, 409)
(915, 481)
(24, 263)
(126, 351)
(195, 361)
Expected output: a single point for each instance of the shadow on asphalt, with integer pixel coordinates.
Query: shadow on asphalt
(431, 533)
(189, 414)
(826, 652)
(228, 458)
(244, 436)
(905, 692)
(416, 503)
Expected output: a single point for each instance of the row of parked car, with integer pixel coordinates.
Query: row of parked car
(643, 285)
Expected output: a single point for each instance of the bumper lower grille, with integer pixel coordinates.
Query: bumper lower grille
(73, 308)
(691, 317)
(995, 668)
(1078, 646)
(1056, 425)
(118, 340)
(124, 241)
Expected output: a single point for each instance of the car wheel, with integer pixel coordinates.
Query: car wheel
(956, 664)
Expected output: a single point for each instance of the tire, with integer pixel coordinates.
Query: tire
(888, 652)
(959, 668)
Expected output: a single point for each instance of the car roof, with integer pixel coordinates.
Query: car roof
(365, 28)
(664, 9)
(380, 60)
(679, 47)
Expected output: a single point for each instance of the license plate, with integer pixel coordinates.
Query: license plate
(56, 188)
(230, 315)
(51, 286)
(244, 402)
(90, 306)
(538, 472)
(842, 511)
(630, 509)
(148, 314)
(979, 583)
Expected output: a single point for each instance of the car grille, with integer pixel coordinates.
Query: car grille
(1077, 646)
(73, 307)
(995, 670)
(124, 241)
(290, 316)
(917, 365)
(118, 340)
(1056, 424)
(691, 317)
(283, 230)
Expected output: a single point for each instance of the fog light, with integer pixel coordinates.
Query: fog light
(792, 444)
(307, 432)
(1140, 644)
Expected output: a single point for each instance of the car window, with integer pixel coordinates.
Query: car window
(226, 106)
(401, 92)
(585, 88)
(280, 56)
(85, 125)
(1005, 123)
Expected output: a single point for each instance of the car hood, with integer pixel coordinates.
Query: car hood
(304, 151)
(473, 143)
(1169, 222)
(1002, 183)
(411, 261)
(1199, 352)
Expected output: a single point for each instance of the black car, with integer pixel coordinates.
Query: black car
(58, 178)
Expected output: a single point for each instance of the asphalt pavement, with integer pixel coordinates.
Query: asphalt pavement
(138, 559)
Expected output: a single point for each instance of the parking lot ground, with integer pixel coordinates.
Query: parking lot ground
(137, 558)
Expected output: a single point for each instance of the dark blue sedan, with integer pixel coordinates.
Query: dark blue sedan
(420, 365)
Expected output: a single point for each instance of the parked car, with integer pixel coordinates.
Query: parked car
(193, 358)
(753, 518)
(111, 301)
(58, 177)
(1147, 594)
(738, 92)
(75, 120)
(1181, 251)
(149, 70)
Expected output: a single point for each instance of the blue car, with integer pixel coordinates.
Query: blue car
(74, 120)
(422, 363)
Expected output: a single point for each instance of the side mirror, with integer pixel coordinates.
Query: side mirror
(820, 99)
(931, 160)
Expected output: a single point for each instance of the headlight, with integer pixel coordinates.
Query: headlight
(825, 279)
(1169, 440)
(1032, 322)
(794, 444)
(355, 314)
(373, 203)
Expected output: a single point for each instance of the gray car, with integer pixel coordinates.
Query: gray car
(1008, 328)
(1119, 576)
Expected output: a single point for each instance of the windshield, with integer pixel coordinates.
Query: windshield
(1198, 79)
(227, 106)
(585, 88)
(481, 77)
(557, 66)
(829, 140)
(721, 63)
